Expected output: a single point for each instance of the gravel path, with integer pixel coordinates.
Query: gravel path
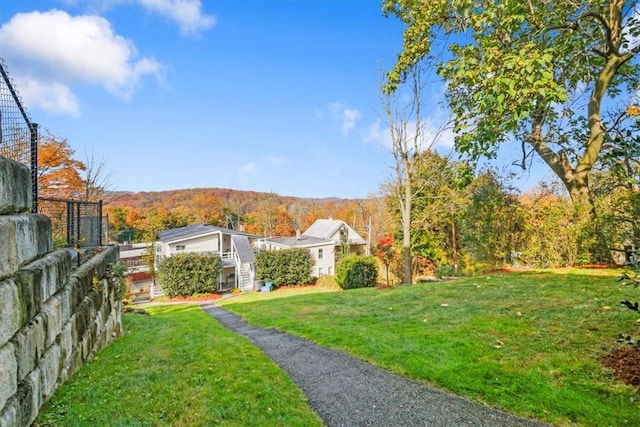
(346, 391)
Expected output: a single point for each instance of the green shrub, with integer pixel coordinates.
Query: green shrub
(445, 271)
(285, 267)
(189, 273)
(116, 273)
(357, 271)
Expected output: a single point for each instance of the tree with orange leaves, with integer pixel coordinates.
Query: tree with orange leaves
(58, 172)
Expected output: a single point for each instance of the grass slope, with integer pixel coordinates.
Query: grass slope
(528, 343)
(178, 367)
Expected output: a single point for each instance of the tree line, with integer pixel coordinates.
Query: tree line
(461, 221)
(468, 224)
(557, 79)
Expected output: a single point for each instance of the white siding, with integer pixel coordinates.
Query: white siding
(326, 263)
(208, 243)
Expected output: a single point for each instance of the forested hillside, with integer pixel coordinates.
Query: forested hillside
(139, 216)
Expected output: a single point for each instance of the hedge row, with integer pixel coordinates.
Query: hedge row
(357, 271)
(285, 267)
(189, 273)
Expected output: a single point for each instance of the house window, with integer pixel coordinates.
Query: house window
(320, 254)
(179, 247)
(320, 270)
(330, 271)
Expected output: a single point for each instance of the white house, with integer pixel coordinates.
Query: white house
(323, 239)
(233, 247)
(132, 255)
(138, 278)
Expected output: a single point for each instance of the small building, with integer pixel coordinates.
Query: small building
(233, 247)
(324, 240)
(138, 278)
(132, 255)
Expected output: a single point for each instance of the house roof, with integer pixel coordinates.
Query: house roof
(323, 228)
(193, 231)
(243, 249)
(302, 242)
(132, 253)
(326, 228)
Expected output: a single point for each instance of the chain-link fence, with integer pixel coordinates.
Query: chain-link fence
(18, 135)
(74, 224)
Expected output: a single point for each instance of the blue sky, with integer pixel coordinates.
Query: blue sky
(262, 95)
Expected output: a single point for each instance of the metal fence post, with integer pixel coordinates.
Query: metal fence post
(99, 222)
(33, 128)
(69, 224)
(78, 229)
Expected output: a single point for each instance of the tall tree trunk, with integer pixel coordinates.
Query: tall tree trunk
(454, 243)
(576, 180)
(592, 243)
(406, 231)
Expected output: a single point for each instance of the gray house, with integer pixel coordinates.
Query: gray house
(233, 247)
(323, 239)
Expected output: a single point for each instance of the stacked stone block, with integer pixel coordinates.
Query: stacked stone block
(52, 319)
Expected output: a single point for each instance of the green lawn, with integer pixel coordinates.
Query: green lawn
(527, 342)
(178, 367)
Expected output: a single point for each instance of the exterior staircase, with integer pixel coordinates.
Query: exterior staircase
(245, 280)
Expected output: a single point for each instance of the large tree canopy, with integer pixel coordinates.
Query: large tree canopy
(539, 72)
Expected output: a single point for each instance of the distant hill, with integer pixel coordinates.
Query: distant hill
(171, 198)
(266, 214)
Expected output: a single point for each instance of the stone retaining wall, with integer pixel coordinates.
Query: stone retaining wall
(52, 318)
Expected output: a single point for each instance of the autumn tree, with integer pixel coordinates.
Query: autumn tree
(263, 220)
(158, 219)
(308, 216)
(491, 223)
(96, 179)
(385, 252)
(207, 208)
(440, 196)
(120, 229)
(59, 174)
(381, 220)
(233, 213)
(535, 72)
(283, 225)
(550, 235)
(408, 141)
(617, 180)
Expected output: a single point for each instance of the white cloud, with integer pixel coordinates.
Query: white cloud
(434, 135)
(345, 117)
(246, 171)
(56, 50)
(54, 98)
(377, 134)
(187, 14)
(349, 118)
